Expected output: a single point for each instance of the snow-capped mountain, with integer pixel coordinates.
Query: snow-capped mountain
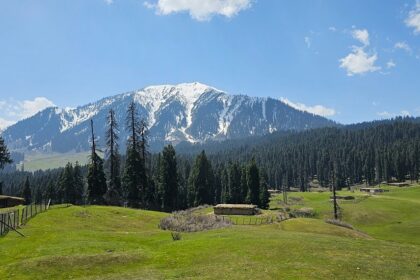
(190, 112)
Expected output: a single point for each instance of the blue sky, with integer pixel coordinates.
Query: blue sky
(348, 60)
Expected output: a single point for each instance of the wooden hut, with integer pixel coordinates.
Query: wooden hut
(235, 209)
(372, 190)
(10, 201)
(400, 185)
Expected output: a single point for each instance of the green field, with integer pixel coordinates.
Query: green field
(38, 161)
(116, 243)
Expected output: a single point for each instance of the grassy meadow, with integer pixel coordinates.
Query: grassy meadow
(39, 161)
(99, 242)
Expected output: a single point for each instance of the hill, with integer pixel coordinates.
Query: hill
(118, 243)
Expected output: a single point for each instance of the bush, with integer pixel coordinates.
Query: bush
(176, 236)
(186, 221)
(339, 223)
(302, 213)
(282, 216)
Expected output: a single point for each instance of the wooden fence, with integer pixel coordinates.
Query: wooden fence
(251, 220)
(9, 220)
(32, 210)
(13, 219)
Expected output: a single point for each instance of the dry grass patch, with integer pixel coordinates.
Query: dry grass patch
(187, 221)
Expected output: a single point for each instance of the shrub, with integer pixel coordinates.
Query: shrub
(302, 213)
(176, 236)
(186, 221)
(339, 223)
(282, 216)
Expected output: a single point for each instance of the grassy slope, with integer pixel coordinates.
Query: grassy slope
(35, 162)
(392, 216)
(115, 243)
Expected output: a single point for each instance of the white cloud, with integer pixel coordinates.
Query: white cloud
(12, 110)
(307, 41)
(317, 109)
(388, 115)
(332, 28)
(403, 46)
(359, 62)
(385, 114)
(390, 64)
(5, 123)
(149, 5)
(413, 19)
(361, 35)
(109, 2)
(201, 10)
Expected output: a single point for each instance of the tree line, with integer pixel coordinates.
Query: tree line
(184, 176)
(368, 153)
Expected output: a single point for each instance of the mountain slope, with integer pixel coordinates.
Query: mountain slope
(186, 112)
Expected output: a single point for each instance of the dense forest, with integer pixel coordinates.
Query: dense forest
(234, 171)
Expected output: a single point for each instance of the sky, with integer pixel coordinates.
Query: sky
(349, 60)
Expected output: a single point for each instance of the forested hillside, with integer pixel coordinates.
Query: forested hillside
(367, 152)
(242, 170)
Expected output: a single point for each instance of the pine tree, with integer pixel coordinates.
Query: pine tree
(253, 181)
(50, 192)
(244, 184)
(78, 183)
(26, 193)
(147, 190)
(1, 188)
(133, 178)
(201, 181)
(96, 180)
(113, 195)
(4, 154)
(224, 182)
(235, 184)
(264, 194)
(67, 184)
(168, 180)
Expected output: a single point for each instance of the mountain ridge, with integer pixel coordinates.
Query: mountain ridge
(191, 112)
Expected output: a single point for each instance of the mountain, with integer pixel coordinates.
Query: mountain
(190, 112)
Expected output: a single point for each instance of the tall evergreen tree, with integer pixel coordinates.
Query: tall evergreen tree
(26, 192)
(1, 188)
(148, 190)
(253, 181)
(50, 192)
(133, 184)
(201, 181)
(67, 184)
(96, 180)
(113, 195)
(168, 179)
(4, 154)
(264, 194)
(78, 183)
(235, 183)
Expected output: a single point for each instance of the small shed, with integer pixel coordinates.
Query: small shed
(400, 185)
(10, 201)
(372, 190)
(271, 191)
(235, 209)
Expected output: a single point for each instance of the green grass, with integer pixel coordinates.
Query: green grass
(116, 243)
(392, 216)
(38, 161)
